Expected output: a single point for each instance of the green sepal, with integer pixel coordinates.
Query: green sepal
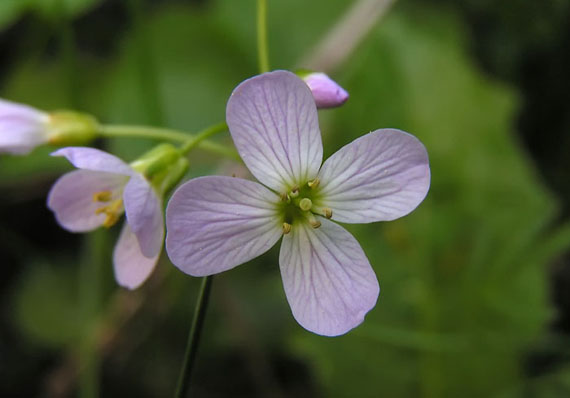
(71, 128)
(303, 72)
(163, 166)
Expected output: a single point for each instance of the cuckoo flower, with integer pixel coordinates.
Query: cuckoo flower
(22, 128)
(97, 195)
(216, 223)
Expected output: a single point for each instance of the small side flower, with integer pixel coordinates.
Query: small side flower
(97, 194)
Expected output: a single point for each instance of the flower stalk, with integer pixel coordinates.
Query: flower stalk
(262, 52)
(203, 135)
(159, 133)
(194, 337)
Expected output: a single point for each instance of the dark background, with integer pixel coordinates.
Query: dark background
(475, 284)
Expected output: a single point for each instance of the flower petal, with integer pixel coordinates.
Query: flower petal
(144, 214)
(22, 128)
(9, 109)
(216, 223)
(273, 121)
(71, 198)
(380, 176)
(94, 159)
(328, 280)
(132, 268)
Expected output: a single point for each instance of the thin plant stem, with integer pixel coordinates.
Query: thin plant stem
(158, 133)
(194, 338)
(201, 136)
(262, 47)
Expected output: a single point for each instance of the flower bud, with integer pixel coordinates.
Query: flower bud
(163, 166)
(326, 92)
(22, 128)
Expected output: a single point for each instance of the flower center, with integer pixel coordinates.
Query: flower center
(112, 210)
(300, 204)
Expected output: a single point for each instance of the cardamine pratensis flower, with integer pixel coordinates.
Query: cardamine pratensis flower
(216, 223)
(104, 188)
(326, 92)
(23, 128)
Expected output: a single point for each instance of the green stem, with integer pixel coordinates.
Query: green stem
(194, 338)
(262, 52)
(157, 133)
(201, 136)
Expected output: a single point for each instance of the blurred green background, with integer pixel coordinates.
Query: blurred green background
(475, 282)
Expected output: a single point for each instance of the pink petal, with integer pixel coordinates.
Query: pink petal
(132, 268)
(273, 121)
(144, 214)
(71, 198)
(380, 176)
(22, 128)
(216, 223)
(94, 159)
(328, 280)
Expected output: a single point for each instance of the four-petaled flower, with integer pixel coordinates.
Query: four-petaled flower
(22, 128)
(97, 195)
(216, 223)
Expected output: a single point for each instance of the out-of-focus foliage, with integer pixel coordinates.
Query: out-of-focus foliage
(464, 294)
(50, 9)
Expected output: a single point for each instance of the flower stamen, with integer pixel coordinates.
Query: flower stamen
(286, 228)
(102, 196)
(314, 183)
(112, 212)
(312, 220)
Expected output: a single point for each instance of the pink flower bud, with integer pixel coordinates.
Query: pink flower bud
(327, 93)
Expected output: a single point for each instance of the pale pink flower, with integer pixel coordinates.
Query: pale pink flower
(97, 195)
(216, 223)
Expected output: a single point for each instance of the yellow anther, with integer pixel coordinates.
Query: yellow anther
(294, 192)
(312, 220)
(305, 204)
(103, 196)
(286, 228)
(314, 183)
(315, 223)
(112, 212)
(285, 198)
(110, 220)
(327, 212)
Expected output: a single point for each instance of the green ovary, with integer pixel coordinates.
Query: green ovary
(301, 205)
